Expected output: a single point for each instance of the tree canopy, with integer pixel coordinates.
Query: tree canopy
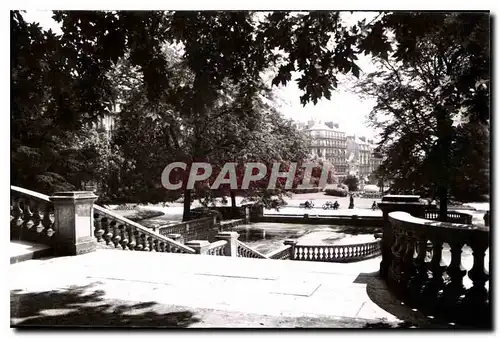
(191, 84)
(432, 94)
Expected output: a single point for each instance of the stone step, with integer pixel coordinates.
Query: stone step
(23, 250)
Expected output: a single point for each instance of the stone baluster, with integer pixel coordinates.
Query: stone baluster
(432, 287)
(124, 237)
(156, 245)
(47, 222)
(116, 233)
(140, 242)
(395, 271)
(145, 242)
(107, 235)
(28, 214)
(149, 241)
(17, 212)
(231, 237)
(454, 288)
(37, 217)
(475, 304)
(419, 276)
(408, 251)
(132, 238)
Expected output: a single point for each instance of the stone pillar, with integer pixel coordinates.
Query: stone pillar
(247, 214)
(231, 237)
(199, 246)
(176, 237)
(74, 222)
(256, 212)
(407, 203)
(292, 243)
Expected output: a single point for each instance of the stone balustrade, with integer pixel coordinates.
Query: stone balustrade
(216, 248)
(451, 216)
(245, 251)
(408, 203)
(196, 229)
(281, 253)
(31, 216)
(230, 224)
(424, 281)
(203, 247)
(336, 253)
(115, 231)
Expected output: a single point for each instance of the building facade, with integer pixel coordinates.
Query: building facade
(362, 158)
(329, 143)
(106, 123)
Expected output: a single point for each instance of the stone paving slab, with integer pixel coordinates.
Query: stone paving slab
(285, 288)
(123, 313)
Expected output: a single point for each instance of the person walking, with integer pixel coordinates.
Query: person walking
(351, 202)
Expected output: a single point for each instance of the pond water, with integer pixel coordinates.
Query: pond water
(266, 237)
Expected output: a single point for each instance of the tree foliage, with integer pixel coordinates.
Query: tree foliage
(432, 94)
(351, 182)
(190, 86)
(51, 103)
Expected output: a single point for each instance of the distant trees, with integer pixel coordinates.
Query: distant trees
(351, 182)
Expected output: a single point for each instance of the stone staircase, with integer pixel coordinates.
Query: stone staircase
(23, 250)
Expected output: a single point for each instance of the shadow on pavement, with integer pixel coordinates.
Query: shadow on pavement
(78, 306)
(379, 294)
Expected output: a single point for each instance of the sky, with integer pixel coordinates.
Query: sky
(345, 108)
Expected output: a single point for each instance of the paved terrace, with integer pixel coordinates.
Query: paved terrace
(113, 288)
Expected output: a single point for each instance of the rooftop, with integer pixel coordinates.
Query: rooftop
(321, 126)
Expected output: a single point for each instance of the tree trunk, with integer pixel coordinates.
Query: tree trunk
(187, 205)
(443, 203)
(233, 204)
(444, 153)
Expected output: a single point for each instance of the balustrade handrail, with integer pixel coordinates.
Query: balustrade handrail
(31, 193)
(116, 217)
(278, 252)
(375, 241)
(406, 220)
(217, 244)
(253, 251)
(196, 220)
(453, 216)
